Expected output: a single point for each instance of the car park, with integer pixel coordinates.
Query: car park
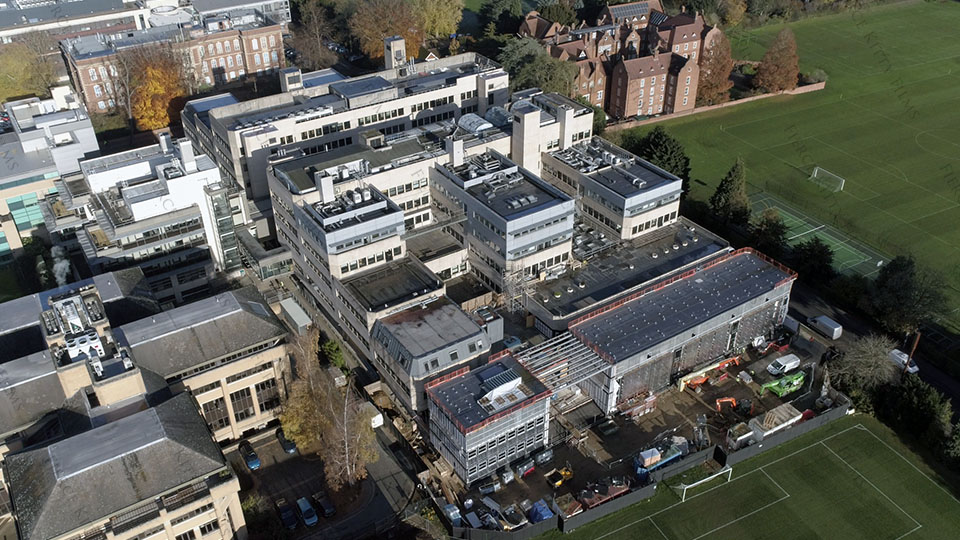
(250, 456)
(306, 511)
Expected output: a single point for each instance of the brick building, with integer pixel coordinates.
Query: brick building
(216, 49)
(650, 85)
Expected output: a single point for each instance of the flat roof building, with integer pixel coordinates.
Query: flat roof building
(484, 419)
(423, 342)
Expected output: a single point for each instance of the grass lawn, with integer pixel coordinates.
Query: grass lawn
(851, 479)
(888, 122)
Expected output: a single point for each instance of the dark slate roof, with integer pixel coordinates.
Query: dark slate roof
(184, 337)
(91, 476)
(391, 284)
(664, 313)
(10, 18)
(29, 390)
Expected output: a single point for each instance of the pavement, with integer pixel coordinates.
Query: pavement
(805, 302)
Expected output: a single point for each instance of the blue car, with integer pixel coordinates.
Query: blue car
(250, 457)
(307, 513)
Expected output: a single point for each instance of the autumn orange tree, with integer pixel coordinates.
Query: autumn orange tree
(779, 69)
(715, 67)
(159, 93)
(375, 20)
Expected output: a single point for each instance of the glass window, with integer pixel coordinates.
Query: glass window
(254, 45)
(242, 401)
(93, 74)
(226, 46)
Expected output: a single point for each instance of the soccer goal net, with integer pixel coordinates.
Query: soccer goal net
(683, 490)
(827, 179)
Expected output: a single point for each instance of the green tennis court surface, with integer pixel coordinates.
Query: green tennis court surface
(851, 479)
(849, 255)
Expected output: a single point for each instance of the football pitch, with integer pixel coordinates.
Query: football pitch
(888, 122)
(851, 479)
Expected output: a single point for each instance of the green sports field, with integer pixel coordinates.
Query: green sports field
(888, 122)
(851, 479)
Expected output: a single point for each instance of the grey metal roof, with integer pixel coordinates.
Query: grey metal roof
(420, 331)
(29, 390)
(58, 10)
(92, 475)
(322, 77)
(361, 87)
(391, 284)
(664, 313)
(635, 9)
(176, 340)
(209, 6)
(460, 396)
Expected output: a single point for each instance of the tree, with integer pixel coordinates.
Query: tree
(160, 93)
(599, 116)
(529, 66)
(23, 73)
(559, 12)
(318, 414)
(45, 55)
(905, 296)
(505, 14)
(439, 17)
(454, 46)
(732, 11)
(375, 20)
(918, 409)
(813, 260)
(664, 151)
(715, 67)
(865, 366)
(309, 35)
(770, 233)
(730, 202)
(779, 70)
(333, 353)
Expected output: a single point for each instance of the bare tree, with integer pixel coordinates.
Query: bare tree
(319, 414)
(866, 365)
(310, 33)
(44, 55)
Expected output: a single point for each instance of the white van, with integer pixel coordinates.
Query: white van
(784, 365)
(826, 326)
(901, 358)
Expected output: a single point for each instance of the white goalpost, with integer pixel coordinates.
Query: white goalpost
(826, 179)
(682, 488)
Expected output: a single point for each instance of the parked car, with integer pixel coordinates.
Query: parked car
(512, 343)
(288, 446)
(306, 511)
(783, 365)
(826, 326)
(250, 456)
(288, 516)
(323, 503)
(901, 358)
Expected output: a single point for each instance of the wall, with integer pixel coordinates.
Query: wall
(637, 123)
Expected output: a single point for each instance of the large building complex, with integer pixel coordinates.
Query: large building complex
(46, 140)
(315, 116)
(63, 19)
(161, 207)
(220, 48)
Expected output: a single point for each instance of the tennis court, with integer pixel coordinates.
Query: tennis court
(849, 255)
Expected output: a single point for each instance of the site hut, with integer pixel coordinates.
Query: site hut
(161, 207)
(137, 473)
(425, 341)
(604, 269)
(617, 191)
(517, 225)
(332, 114)
(486, 418)
(41, 146)
(229, 351)
(682, 324)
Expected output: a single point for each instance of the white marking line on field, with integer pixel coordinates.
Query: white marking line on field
(659, 529)
(704, 492)
(907, 461)
(806, 232)
(874, 486)
(745, 516)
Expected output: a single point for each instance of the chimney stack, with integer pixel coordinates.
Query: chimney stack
(186, 155)
(455, 151)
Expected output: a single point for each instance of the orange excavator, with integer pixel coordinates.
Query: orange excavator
(732, 361)
(744, 407)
